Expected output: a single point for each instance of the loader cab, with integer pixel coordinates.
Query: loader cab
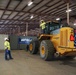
(53, 27)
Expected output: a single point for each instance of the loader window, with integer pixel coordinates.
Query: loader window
(55, 31)
(54, 26)
(51, 27)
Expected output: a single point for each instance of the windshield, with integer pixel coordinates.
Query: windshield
(55, 31)
(53, 27)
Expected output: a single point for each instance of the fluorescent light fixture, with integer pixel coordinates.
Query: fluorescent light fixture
(68, 10)
(32, 17)
(30, 3)
(75, 24)
(57, 19)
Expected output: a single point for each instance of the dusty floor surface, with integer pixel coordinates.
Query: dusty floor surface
(26, 64)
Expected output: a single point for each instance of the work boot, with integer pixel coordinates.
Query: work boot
(11, 58)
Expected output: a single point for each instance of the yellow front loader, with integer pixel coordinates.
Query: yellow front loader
(56, 42)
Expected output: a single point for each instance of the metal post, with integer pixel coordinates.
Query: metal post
(10, 31)
(40, 18)
(18, 29)
(68, 13)
(26, 29)
(13, 31)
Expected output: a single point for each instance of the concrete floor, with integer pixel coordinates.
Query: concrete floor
(26, 64)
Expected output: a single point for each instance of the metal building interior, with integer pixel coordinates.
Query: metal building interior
(16, 14)
(20, 22)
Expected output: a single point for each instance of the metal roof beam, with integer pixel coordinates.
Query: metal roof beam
(24, 12)
(61, 8)
(6, 8)
(20, 20)
(36, 5)
(44, 5)
(50, 6)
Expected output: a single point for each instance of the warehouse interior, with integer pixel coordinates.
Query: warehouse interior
(16, 14)
(20, 22)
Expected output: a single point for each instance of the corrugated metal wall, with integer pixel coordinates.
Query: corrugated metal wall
(14, 42)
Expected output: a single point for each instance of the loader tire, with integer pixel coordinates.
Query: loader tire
(34, 47)
(70, 57)
(47, 50)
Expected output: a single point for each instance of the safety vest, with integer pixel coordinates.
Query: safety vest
(42, 25)
(7, 45)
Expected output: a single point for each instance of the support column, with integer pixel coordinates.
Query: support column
(40, 18)
(13, 31)
(26, 29)
(18, 29)
(68, 13)
(10, 31)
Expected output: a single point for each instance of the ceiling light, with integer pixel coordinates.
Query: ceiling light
(32, 17)
(30, 3)
(74, 23)
(57, 19)
(69, 10)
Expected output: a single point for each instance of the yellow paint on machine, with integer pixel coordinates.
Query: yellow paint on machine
(61, 41)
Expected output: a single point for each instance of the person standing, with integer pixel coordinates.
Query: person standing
(42, 25)
(7, 49)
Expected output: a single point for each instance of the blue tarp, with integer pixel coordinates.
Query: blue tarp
(24, 40)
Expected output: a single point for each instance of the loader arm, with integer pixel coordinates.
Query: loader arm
(44, 37)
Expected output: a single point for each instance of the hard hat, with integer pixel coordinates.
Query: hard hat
(41, 20)
(5, 38)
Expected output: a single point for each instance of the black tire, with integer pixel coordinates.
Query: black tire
(35, 46)
(70, 57)
(49, 50)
